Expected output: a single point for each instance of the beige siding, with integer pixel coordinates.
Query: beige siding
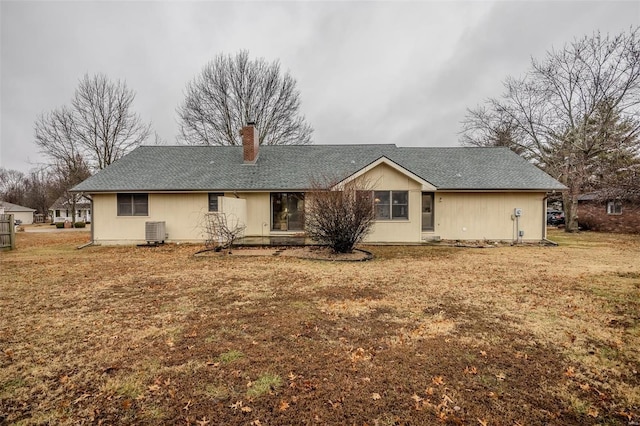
(457, 216)
(235, 210)
(258, 213)
(478, 216)
(182, 213)
(386, 178)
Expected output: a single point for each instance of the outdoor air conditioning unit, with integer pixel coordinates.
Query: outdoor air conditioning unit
(154, 232)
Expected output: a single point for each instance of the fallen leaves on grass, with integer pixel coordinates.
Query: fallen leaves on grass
(375, 396)
(470, 370)
(284, 405)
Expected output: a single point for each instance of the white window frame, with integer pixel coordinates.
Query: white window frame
(614, 207)
(391, 204)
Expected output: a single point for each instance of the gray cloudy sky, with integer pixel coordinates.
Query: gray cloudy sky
(368, 72)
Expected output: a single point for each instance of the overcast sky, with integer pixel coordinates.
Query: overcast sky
(368, 72)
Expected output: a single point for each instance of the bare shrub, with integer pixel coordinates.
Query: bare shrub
(339, 216)
(221, 230)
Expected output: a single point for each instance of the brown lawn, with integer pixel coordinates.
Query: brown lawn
(420, 335)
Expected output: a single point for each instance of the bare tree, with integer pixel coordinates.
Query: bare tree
(233, 90)
(42, 190)
(97, 129)
(339, 216)
(56, 136)
(560, 113)
(99, 126)
(12, 186)
(105, 126)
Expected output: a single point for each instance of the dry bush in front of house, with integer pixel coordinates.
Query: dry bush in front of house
(221, 230)
(339, 217)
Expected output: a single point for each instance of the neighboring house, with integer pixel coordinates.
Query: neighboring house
(597, 212)
(62, 208)
(420, 193)
(23, 214)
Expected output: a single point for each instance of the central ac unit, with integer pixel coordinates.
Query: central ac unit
(154, 232)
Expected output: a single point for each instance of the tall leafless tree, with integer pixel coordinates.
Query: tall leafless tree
(232, 90)
(97, 129)
(560, 114)
(55, 134)
(105, 126)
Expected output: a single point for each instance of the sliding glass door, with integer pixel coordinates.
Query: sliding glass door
(287, 211)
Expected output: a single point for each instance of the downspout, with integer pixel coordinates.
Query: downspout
(544, 216)
(544, 222)
(93, 222)
(90, 243)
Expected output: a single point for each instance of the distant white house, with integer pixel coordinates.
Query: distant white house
(23, 214)
(62, 210)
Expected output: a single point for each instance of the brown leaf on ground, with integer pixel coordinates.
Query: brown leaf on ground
(375, 396)
(438, 380)
(283, 405)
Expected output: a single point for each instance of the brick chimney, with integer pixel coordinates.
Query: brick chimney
(250, 142)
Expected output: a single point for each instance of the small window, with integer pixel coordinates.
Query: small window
(213, 200)
(133, 204)
(391, 205)
(614, 207)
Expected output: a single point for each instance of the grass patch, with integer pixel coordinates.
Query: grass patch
(265, 384)
(10, 386)
(215, 391)
(229, 356)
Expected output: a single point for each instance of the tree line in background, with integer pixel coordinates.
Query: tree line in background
(576, 115)
(100, 126)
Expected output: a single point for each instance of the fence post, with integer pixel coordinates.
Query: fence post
(12, 238)
(7, 229)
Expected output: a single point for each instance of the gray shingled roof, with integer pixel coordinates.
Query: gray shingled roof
(221, 168)
(10, 207)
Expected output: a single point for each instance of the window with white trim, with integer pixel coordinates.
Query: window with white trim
(614, 207)
(391, 205)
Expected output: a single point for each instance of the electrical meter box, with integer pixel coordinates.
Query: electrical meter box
(517, 212)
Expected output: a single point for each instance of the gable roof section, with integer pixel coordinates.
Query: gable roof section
(10, 207)
(426, 186)
(295, 167)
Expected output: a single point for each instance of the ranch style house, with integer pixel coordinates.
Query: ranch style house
(419, 194)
